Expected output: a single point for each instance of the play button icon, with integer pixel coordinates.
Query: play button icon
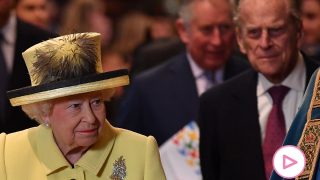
(289, 161)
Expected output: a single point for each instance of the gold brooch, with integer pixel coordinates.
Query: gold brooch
(119, 171)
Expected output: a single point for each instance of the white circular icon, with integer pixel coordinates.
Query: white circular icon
(289, 161)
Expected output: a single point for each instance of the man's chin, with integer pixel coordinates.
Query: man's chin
(214, 64)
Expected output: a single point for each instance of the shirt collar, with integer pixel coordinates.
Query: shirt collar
(92, 160)
(9, 29)
(198, 72)
(295, 80)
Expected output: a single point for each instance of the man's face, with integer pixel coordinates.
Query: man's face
(5, 8)
(209, 36)
(33, 11)
(269, 38)
(311, 21)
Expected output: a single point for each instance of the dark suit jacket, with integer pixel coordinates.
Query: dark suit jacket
(164, 99)
(26, 36)
(155, 53)
(230, 138)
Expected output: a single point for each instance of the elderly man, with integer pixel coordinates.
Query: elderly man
(164, 99)
(242, 122)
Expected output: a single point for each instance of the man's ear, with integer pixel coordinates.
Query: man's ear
(240, 40)
(182, 30)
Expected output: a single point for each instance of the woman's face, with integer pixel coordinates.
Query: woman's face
(77, 121)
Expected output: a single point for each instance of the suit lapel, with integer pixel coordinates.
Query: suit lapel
(183, 85)
(245, 99)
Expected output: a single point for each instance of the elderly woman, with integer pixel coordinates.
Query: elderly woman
(73, 140)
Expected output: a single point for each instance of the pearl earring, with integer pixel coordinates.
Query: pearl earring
(46, 124)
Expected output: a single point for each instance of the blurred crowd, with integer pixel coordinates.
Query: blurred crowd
(134, 35)
(122, 36)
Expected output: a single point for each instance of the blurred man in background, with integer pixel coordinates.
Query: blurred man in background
(35, 12)
(15, 37)
(164, 99)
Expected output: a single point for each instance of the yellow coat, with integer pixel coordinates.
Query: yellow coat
(32, 154)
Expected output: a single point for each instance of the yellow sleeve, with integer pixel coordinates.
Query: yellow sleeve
(3, 175)
(153, 166)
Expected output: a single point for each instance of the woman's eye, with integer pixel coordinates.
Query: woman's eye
(75, 106)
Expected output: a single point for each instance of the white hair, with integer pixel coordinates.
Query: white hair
(294, 12)
(37, 111)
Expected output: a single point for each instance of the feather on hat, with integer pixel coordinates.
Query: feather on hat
(64, 66)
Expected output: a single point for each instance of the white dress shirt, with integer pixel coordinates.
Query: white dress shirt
(296, 81)
(8, 44)
(202, 81)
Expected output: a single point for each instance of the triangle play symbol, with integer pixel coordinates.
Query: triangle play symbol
(288, 162)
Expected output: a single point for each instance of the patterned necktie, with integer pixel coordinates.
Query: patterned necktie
(3, 81)
(210, 79)
(276, 128)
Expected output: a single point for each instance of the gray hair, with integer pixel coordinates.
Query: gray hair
(185, 11)
(294, 11)
(38, 110)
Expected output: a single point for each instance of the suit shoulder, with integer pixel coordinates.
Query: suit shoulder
(161, 70)
(240, 82)
(133, 137)
(240, 62)
(33, 33)
(136, 142)
(12, 144)
(234, 81)
(20, 137)
(141, 152)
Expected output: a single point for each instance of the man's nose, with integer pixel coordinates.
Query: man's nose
(215, 38)
(265, 41)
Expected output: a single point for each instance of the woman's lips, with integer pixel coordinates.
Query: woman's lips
(87, 131)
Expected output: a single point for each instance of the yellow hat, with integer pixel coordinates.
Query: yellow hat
(64, 66)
